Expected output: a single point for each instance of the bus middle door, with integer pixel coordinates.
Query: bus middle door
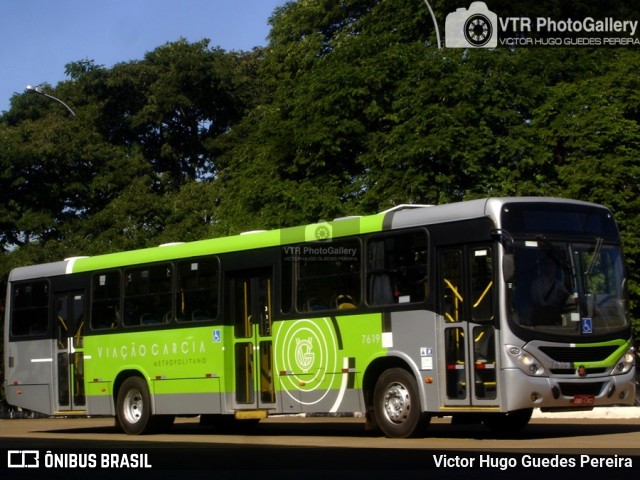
(467, 286)
(251, 305)
(68, 333)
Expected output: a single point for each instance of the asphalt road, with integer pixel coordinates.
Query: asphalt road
(324, 448)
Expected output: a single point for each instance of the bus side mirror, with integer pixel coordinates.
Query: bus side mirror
(508, 267)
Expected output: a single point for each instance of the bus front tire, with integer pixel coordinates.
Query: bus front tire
(397, 405)
(133, 407)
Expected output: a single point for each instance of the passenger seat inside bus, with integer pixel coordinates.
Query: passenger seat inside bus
(344, 302)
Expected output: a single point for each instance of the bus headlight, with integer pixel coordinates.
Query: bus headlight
(526, 362)
(625, 363)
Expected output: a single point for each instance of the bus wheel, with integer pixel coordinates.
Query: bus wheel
(397, 404)
(133, 406)
(507, 423)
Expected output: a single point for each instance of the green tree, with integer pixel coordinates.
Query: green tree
(590, 128)
(364, 113)
(174, 102)
(49, 165)
(143, 130)
(350, 109)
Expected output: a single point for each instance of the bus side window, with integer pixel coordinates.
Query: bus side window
(148, 295)
(197, 290)
(397, 268)
(30, 309)
(328, 276)
(286, 283)
(105, 300)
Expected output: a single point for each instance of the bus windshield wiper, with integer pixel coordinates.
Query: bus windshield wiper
(594, 258)
(547, 247)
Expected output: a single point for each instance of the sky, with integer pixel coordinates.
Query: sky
(39, 37)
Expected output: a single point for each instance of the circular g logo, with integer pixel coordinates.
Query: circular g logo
(304, 353)
(308, 356)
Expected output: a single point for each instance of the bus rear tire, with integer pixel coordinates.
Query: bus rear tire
(397, 405)
(508, 423)
(133, 407)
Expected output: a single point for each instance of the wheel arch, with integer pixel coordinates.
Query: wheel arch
(121, 377)
(379, 365)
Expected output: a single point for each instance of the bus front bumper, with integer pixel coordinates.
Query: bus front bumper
(567, 393)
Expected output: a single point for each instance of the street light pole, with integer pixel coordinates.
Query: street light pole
(39, 91)
(435, 23)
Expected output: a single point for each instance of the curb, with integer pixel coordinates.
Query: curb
(603, 413)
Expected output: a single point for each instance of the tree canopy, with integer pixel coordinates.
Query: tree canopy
(349, 109)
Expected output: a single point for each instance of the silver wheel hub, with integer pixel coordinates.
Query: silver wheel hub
(397, 403)
(133, 406)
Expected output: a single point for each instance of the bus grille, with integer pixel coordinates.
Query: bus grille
(572, 371)
(571, 389)
(582, 354)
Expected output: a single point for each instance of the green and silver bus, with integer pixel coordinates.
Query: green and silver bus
(484, 309)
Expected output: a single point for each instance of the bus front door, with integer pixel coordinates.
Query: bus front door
(251, 309)
(467, 305)
(69, 359)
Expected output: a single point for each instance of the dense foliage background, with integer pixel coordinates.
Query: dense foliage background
(349, 109)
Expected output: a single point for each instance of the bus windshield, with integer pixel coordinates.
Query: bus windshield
(569, 288)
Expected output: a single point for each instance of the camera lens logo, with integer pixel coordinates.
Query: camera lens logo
(478, 30)
(323, 232)
(474, 27)
(319, 232)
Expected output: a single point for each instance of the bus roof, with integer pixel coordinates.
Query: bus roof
(484, 207)
(404, 216)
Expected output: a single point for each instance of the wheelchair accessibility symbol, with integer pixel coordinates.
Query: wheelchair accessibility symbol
(586, 326)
